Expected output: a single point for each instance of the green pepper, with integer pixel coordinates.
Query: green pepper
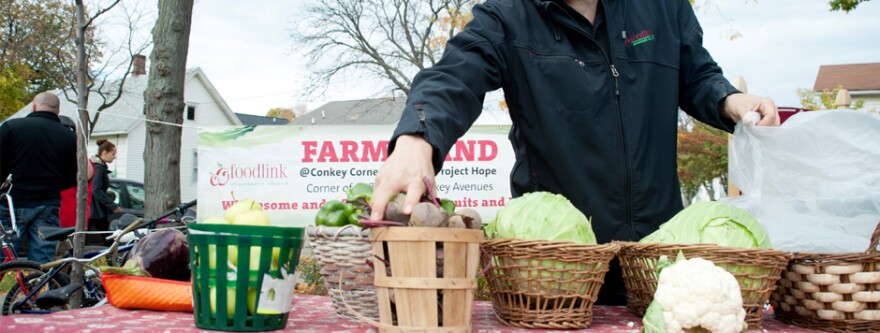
(323, 217)
(354, 215)
(337, 218)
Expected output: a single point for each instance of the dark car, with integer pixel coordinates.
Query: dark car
(129, 195)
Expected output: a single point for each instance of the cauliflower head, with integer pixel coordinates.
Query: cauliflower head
(694, 293)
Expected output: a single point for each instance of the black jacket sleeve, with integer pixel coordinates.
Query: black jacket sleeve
(100, 183)
(447, 98)
(703, 86)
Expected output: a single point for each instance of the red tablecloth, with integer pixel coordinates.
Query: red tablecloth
(310, 314)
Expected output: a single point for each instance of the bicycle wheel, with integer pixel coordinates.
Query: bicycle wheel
(25, 272)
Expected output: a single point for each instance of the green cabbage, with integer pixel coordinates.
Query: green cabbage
(721, 224)
(713, 223)
(542, 216)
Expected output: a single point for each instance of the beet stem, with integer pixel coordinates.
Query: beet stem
(431, 193)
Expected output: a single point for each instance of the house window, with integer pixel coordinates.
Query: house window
(190, 112)
(195, 174)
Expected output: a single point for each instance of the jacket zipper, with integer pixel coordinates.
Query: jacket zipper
(614, 75)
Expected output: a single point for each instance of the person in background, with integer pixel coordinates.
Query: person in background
(593, 88)
(40, 154)
(102, 205)
(67, 213)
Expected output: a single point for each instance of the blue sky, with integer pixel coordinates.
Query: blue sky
(246, 50)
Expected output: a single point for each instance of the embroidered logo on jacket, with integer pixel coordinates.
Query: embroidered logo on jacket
(643, 36)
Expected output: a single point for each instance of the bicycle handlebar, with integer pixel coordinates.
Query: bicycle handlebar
(61, 261)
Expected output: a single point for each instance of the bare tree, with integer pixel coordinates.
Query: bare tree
(386, 39)
(108, 65)
(164, 105)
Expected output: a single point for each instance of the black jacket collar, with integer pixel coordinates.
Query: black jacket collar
(45, 114)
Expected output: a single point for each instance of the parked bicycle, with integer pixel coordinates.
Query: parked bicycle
(16, 272)
(48, 289)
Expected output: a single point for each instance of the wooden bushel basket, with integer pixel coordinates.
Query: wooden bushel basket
(411, 296)
(835, 292)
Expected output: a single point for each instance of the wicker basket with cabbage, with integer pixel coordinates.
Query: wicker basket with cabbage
(724, 235)
(545, 266)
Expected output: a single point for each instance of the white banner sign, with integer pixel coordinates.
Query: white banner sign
(291, 170)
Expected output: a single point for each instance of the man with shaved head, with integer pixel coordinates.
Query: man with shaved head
(40, 155)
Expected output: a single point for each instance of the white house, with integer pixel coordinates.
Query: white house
(124, 125)
(861, 80)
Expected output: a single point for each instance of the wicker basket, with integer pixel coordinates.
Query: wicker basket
(832, 292)
(756, 270)
(527, 292)
(345, 251)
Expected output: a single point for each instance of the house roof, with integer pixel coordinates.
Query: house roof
(128, 111)
(853, 77)
(377, 111)
(252, 120)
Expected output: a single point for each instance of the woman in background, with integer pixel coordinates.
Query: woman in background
(102, 205)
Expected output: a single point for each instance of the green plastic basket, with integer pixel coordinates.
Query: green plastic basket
(265, 308)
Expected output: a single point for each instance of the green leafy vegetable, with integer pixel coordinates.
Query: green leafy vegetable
(712, 223)
(542, 216)
(358, 191)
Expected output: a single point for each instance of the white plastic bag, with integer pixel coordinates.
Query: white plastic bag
(814, 182)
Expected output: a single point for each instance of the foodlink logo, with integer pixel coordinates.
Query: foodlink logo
(261, 171)
(639, 38)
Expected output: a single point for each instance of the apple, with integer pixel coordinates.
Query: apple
(230, 301)
(212, 249)
(254, 217)
(242, 206)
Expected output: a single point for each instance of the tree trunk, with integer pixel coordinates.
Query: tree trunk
(164, 105)
(82, 188)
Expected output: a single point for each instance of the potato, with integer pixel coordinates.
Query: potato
(426, 214)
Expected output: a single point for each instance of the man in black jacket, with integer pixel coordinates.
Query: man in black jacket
(593, 88)
(40, 154)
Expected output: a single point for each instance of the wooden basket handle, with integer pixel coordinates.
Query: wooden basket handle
(875, 238)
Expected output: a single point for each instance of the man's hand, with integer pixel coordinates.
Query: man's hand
(736, 106)
(403, 171)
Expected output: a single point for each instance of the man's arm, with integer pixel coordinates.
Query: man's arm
(443, 103)
(704, 92)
